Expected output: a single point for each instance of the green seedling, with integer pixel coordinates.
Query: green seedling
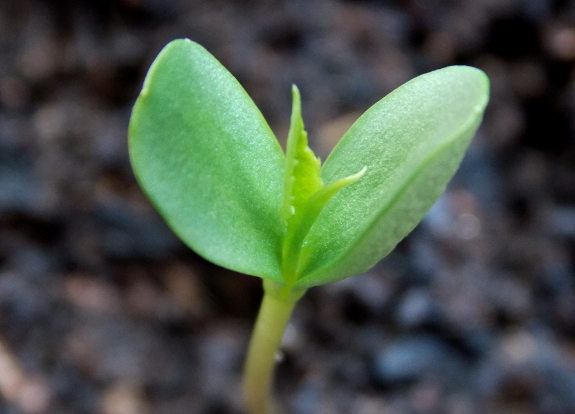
(209, 162)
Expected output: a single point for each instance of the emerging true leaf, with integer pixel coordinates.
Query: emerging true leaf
(302, 178)
(304, 193)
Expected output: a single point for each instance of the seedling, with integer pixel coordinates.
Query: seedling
(207, 159)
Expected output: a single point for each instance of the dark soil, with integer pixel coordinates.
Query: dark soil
(103, 310)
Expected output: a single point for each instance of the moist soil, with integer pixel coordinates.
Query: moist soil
(104, 311)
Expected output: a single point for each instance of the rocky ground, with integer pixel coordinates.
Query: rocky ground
(103, 310)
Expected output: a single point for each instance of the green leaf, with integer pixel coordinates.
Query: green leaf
(302, 173)
(412, 142)
(304, 193)
(209, 162)
(207, 159)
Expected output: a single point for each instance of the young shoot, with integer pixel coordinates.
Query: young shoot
(207, 159)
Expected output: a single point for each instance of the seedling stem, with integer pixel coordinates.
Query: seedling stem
(274, 314)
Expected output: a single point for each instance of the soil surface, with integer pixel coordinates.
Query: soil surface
(103, 310)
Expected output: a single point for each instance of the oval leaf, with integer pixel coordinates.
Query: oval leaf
(209, 162)
(412, 142)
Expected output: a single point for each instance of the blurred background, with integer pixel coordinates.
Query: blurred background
(103, 310)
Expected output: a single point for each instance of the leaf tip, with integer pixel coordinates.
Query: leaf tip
(296, 98)
(359, 174)
(350, 179)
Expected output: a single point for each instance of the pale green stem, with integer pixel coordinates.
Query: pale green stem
(275, 312)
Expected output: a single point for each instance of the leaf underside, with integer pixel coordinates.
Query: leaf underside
(209, 162)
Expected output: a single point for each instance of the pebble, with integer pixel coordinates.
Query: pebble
(413, 358)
